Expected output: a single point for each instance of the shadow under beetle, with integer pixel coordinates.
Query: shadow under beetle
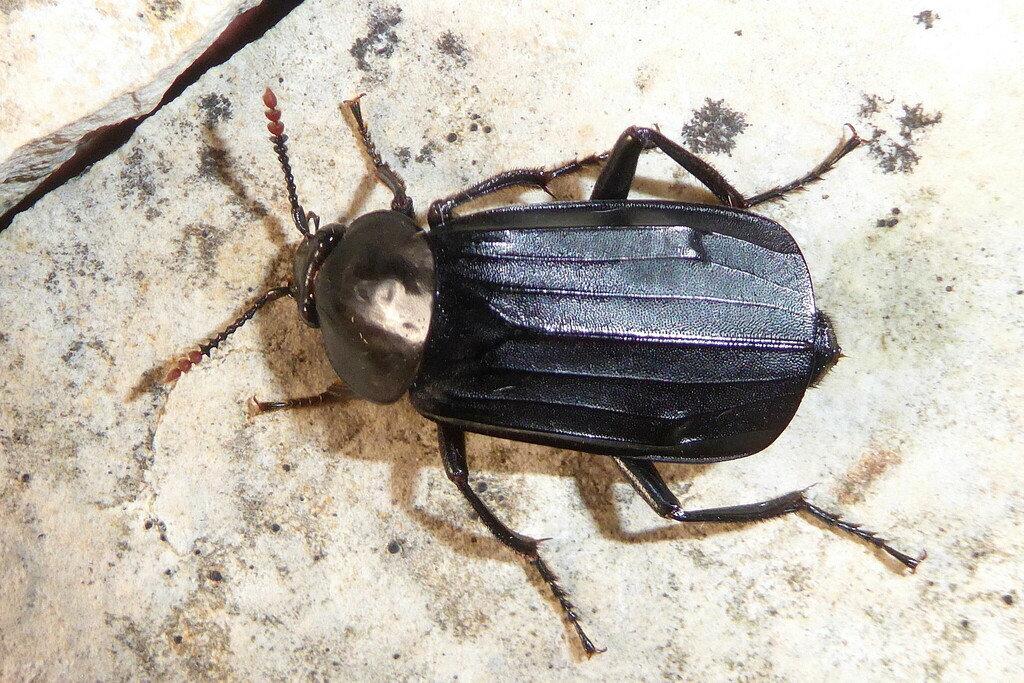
(647, 331)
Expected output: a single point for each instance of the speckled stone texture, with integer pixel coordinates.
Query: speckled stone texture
(70, 69)
(154, 532)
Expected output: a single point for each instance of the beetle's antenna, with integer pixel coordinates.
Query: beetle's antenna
(387, 175)
(280, 140)
(197, 354)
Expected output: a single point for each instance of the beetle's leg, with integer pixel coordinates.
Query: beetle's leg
(616, 179)
(193, 357)
(441, 210)
(653, 489)
(387, 175)
(336, 393)
(844, 148)
(453, 451)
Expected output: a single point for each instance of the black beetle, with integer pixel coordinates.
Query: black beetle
(647, 331)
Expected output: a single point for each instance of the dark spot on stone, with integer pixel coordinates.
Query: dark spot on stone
(404, 155)
(378, 44)
(713, 128)
(394, 547)
(894, 158)
(73, 349)
(199, 242)
(896, 154)
(739, 33)
(214, 164)
(148, 525)
(481, 486)
(79, 350)
(914, 119)
(872, 104)
(177, 640)
(927, 18)
(396, 656)
(164, 9)
(286, 467)
(474, 127)
(275, 527)
(137, 176)
(426, 155)
(215, 575)
(168, 572)
(487, 129)
(453, 46)
(25, 478)
(889, 221)
(163, 538)
(452, 137)
(215, 108)
(16, 436)
(1008, 599)
(197, 551)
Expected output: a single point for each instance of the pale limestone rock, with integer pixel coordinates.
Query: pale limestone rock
(154, 533)
(71, 68)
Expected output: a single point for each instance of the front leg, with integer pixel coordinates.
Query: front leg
(453, 451)
(401, 201)
(336, 393)
(441, 210)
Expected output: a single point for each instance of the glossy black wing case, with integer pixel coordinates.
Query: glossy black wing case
(655, 330)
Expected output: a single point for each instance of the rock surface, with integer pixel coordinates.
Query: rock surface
(72, 69)
(153, 532)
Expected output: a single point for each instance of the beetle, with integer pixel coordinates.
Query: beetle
(644, 330)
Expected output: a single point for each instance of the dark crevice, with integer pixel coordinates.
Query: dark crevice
(246, 28)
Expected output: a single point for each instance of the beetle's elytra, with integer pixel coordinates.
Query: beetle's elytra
(647, 331)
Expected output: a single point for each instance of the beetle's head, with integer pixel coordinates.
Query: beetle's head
(826, 347)
(369, 287)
